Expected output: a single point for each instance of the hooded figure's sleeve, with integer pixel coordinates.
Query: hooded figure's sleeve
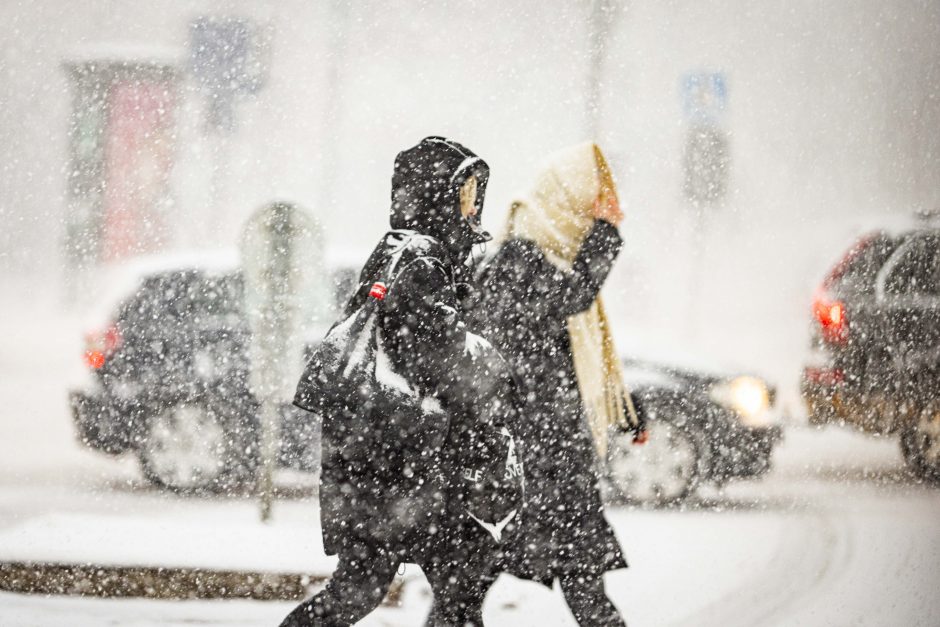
(421, 312)
(472, 382)
(460, 368)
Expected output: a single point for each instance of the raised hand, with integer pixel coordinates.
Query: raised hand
(607, 207)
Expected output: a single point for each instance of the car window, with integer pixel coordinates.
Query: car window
(159, 303)
(218, 302)
(857, 270)
(917, 271)
(345, 282)
(217, 295)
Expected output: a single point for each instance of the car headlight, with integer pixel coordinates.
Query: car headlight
(748, 397)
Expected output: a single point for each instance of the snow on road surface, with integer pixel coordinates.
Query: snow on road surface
(837, 534)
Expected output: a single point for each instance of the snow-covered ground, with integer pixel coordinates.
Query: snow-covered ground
(836, 534)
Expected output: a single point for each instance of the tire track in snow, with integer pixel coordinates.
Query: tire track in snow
(811, 551)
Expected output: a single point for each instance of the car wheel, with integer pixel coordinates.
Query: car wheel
(185, 447)
(920, 443)
(664, 471)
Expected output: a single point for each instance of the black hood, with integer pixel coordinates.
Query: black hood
(426, 193)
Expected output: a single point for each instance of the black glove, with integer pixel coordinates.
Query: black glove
(640, 432)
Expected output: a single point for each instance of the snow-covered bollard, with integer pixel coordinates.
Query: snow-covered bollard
(281, 255)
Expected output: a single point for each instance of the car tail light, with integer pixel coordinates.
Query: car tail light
(831, 315)
(100, 345)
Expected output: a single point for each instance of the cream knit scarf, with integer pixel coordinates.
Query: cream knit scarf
(557, 215)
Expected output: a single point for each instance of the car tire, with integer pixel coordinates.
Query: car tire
(664, 471)
(920, 443)
(189, 446)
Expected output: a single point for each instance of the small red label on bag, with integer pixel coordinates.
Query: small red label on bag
(378, 290)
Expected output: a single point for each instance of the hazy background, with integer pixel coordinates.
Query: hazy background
(830, 114)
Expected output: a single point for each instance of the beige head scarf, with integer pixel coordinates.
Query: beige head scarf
(557, 215)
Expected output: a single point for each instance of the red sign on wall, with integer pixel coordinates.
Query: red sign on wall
(139, 144)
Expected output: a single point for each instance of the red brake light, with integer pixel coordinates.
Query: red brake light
(101, 345)
(831, 316)
(94, 359)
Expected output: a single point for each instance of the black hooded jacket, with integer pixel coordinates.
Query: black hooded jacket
(371, 459)
(426, 194)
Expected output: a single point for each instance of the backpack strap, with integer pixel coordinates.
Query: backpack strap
(385, 280)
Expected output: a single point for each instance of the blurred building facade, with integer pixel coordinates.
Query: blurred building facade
(750, 141)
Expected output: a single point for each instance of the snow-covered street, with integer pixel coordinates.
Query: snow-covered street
(837, 533)
(825, 539)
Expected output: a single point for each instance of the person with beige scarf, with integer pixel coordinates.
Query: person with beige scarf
(539, 304)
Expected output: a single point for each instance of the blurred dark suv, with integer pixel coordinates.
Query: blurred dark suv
(169, 383)
(876, 344)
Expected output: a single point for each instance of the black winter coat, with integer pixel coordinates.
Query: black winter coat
(524, 303)
(378, 471)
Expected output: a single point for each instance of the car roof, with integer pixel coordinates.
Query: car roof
(119, 281)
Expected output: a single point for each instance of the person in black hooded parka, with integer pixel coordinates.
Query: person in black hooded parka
(389, 487)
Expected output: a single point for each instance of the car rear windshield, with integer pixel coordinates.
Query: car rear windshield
(917, 269)
(856, 271)
(180, 301)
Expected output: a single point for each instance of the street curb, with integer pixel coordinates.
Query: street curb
(151, 582)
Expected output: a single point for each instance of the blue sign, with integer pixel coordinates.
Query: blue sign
(704, 96)
(226, 57)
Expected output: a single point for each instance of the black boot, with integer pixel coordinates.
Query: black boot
(302, 616)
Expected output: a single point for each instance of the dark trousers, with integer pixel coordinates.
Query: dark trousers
(459, 579)
(358, 585)
(588, 601)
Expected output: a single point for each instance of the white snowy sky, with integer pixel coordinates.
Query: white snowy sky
(832, 111)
